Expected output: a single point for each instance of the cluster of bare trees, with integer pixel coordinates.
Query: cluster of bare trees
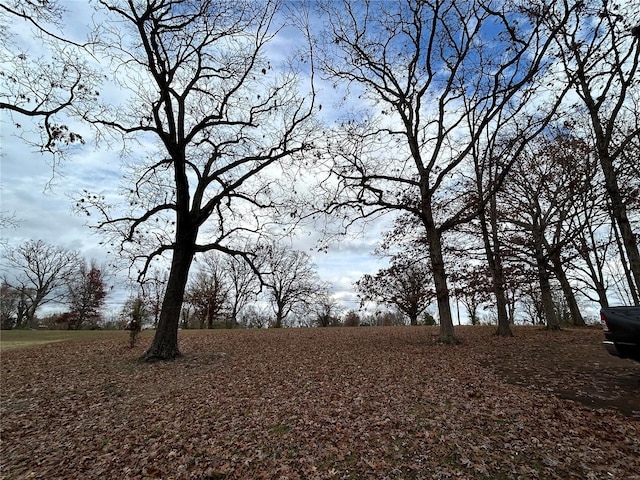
(401, 286)
(281, 287)
(551, 231)
(466, 130)
(39, 274)
(471, 119)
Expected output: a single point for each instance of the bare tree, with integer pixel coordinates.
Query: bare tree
(601, 60)
(220, 114)
(9, 306)
(255, 317)
(591, 250)
(86, 293)
(41, 273)
(208, 292)
(488, 217)
(489, 168)
(472, 287)
(436, 76)
(327, 310)
(351, 319)
(544, 200)
(244, 284)
(594, 247)
(291, 281)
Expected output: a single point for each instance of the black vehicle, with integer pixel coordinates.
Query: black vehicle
(621, 331)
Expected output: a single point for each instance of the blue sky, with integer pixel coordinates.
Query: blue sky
(43, 205)
(42, 199)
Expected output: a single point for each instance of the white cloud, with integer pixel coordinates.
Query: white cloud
(43, 201)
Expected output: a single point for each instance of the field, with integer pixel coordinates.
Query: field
(10, 339)
(344, 403)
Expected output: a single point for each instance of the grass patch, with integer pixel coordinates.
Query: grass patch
(279, 429)
(16, 339)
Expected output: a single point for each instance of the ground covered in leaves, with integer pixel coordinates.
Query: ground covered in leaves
(342, 403)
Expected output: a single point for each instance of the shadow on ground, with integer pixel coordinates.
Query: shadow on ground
(577, 369)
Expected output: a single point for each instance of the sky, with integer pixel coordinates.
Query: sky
(41, 200)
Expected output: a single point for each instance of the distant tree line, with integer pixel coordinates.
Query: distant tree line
(502, 136)
(284, 291)
(280, 288)
(36, 274)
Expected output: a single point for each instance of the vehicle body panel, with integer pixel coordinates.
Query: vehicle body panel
(621, 327)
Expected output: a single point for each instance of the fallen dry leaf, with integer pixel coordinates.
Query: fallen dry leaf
(341, 403)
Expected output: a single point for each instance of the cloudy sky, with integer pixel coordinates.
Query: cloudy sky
(41, 198)
(42, 201)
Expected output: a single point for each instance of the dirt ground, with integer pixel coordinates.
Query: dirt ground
(343, 403)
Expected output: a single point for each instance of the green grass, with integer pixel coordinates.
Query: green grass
(279, 429)
(14, 339)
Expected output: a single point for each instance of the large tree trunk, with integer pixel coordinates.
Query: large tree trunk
(547, 300)
(447, 334)
(210, 315)
(21, 313)
(234, 315)
(165, 342)
(279, 316)
(619, 212)
(545, 285)
(494, 260)
(32, 308)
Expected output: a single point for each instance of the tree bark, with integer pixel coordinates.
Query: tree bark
(165, 342)
(279, 316)
(494, 260)
(619, 212)
(447, 333)
(547, 300)
(545, 285)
